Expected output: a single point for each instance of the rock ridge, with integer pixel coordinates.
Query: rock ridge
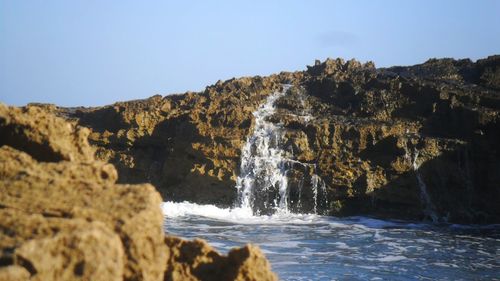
(368, 129)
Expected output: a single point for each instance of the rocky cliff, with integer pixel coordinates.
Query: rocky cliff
(417, 142)
(64, 217)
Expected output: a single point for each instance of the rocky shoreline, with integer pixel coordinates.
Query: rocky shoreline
(376, 138)
(418, 142)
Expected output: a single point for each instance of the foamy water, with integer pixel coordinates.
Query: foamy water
(313, 247)
(242, 215)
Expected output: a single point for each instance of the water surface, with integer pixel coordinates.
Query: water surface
(313, 247)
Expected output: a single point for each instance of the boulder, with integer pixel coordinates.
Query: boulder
(63, 217)
(196, 260)
(52, 248)
(42, 135)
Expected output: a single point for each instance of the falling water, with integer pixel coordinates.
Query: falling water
(317, 185)
(263, 183)
(430, 209)
(262, 161)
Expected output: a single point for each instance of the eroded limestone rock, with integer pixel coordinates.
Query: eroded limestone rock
(196, 260)
(45, 137)
(63, 217)
(365, 126)
(86, 192)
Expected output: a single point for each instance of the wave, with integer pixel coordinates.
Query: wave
(241, 215)
(237, 215)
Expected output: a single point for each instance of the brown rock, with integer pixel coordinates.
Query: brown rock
(75, 190)
(196, 260)
(14, 273)
(71, 220)
(61, 249)
(67, 219)
(367, 125)
(183, 142)
(43, 136)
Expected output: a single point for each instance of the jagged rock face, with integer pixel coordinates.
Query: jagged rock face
(63, 217)
(183, 144)
(376, 137)
(376, 121)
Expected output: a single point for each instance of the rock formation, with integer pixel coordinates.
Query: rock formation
(182, 144)
(196, 260)
(63, 217)
(403, 142)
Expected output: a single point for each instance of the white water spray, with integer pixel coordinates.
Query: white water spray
(429, 208)
(263, 183)
(318, 185)
(262, 160)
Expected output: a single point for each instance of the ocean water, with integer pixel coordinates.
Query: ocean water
(314, 247)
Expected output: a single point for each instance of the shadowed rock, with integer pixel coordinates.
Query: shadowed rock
(364, 126)
(43, 136)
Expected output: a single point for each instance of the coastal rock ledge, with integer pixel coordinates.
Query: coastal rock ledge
(418, 142)
(64, 217)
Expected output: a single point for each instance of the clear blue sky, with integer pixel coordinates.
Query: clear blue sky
(96, 52)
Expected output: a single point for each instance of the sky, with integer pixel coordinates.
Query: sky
(96, 52)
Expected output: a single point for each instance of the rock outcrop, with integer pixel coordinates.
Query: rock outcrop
(403, 142)
(44, 137)
(63, 217)
(182, 144)
(411, 142)
(196, 260)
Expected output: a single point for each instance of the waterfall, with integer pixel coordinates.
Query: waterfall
(430, 209)
(263, 184)
(318, 183)
(262, 161)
